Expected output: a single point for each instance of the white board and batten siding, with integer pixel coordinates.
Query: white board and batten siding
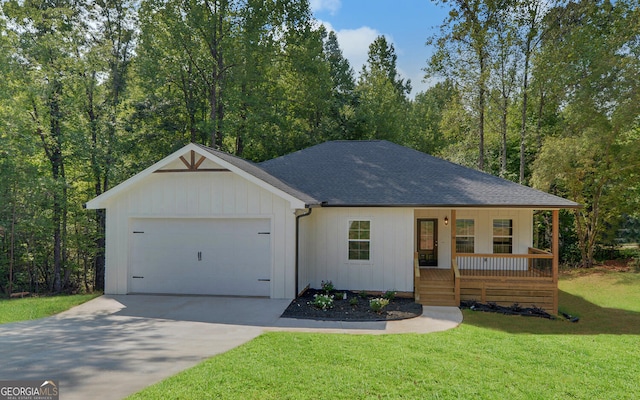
(324, 249)
(199, 195)
(324, 244)
(522, 220)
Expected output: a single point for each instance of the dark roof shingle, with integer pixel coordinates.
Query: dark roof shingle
(381, 173)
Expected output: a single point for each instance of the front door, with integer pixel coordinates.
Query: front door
(427, 242)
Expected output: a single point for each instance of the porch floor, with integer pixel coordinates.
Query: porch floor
(435, 274)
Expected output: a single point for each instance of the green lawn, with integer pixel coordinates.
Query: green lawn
(14, 310)
(488, 356)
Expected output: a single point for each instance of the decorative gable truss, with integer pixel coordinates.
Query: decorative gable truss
(192, 162)
(193, 158)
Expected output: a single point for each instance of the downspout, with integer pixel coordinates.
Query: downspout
(298, 245)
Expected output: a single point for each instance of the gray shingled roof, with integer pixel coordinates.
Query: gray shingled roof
(381, 173)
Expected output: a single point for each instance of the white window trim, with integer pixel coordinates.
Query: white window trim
(502, 236)
(370, 240)
(466, 236)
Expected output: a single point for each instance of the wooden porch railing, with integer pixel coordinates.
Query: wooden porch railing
(416, 277)
(536, 264)
(456, 279)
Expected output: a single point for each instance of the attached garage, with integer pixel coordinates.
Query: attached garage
(201, 222)
(209, 256)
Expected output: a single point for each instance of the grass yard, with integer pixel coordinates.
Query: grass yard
(14, 310)
(489, 356)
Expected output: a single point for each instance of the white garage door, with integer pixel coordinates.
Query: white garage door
(200, 256)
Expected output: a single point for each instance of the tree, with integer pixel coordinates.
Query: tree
(427, 112)
(111, 50)
(592, 53)
(529, 17)
(382, 95)
(463, 53)
(342, 107)
(196, 38)
(595, 169)
(46, 35)
(503, 76)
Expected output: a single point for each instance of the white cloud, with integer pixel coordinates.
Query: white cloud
(418, 83)
(354, 43)
(329, 5)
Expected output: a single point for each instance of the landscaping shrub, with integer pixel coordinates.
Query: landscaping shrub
(322, 301)
(378, 304)
(389, 295)
(327, 287)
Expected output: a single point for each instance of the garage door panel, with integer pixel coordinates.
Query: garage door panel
(201, 256)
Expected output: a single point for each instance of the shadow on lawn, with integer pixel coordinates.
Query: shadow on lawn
(594, 320)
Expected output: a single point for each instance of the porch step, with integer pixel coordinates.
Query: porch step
(436, 288)
(437, 293)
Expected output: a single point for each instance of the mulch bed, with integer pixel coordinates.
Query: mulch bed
(514, 309)
(343, 310)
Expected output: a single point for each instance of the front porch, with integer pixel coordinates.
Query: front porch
(526, 279)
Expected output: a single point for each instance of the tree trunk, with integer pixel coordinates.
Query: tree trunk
(481, 108)
(12, 240)
(525, 96)
(99, 260)
(57, 171)
(213, 104)
(99, 242)
(539, 124)
(503, 128)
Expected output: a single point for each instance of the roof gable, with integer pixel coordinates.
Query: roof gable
(381, 173)
(193, 157)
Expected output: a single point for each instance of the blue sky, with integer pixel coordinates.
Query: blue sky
(405, 23)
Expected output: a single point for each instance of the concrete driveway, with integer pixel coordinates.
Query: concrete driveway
(114, 346)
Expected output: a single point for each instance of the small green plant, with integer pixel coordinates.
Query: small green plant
(327, 286)
(389, 295)
(353, 301)
(322, 301)
(378, 304)
(362, 294)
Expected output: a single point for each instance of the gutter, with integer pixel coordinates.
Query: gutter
(298, 245)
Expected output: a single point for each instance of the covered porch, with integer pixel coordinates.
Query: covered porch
(528, 279)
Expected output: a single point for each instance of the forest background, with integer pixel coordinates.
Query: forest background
(541, 92)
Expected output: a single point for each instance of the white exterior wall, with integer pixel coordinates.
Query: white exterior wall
(324, 244)
(324, 249)
(199, 195)
(522, 227)
(522, 237)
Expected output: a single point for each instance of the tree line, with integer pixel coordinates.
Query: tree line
(544, 93)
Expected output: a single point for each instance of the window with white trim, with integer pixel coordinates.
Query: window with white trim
(465, 236)
(502, 236)
(359, 240)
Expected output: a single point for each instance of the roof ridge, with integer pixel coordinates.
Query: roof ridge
(211, 149)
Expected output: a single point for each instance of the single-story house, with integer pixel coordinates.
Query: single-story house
(366, 215)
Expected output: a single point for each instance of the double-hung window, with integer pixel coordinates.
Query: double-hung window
(359, 240)
(465, 236)
(502, 236)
